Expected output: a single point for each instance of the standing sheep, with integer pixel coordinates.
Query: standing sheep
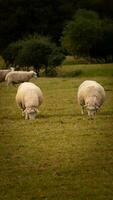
(29, 97)
(4, 72)
(91, 95)
(19, 76)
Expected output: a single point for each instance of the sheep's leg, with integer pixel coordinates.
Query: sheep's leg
(22, 109)
(82, 110)
(26, 116)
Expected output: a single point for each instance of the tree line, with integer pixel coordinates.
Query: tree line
(80, 27)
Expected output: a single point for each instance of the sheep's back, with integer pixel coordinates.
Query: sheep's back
(3, 74)
(91, 88)
(30, 94)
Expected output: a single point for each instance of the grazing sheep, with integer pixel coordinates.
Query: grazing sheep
(91, 95)
(4, 72)
(29, 97)
(19, 76)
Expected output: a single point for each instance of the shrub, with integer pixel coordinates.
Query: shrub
(51, 72)
(35, 51)
(77, 73)
(56, 57)
(11, 52)
(2, 63)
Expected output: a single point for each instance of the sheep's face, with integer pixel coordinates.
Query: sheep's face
(91, 107)
(91, 112)
(35, 75)
(30, 113)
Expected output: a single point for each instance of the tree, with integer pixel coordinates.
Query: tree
(11, 52)
(82, 33)
(19, 18)
(37, 51)
(107, 42)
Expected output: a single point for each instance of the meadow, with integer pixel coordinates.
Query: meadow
(61, 155)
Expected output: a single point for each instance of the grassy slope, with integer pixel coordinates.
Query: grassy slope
(61, 155)
(85, 70)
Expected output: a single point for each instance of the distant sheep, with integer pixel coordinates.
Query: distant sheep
(19, 77)
(91, 95)
(29, 97)
(4, 72)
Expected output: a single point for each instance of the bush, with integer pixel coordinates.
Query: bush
(11, 52)
(77, 73)
(51, 72)
(109, 59)
(35, 51)
(56, 57)
(2, 63)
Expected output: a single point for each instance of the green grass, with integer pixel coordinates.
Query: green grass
(61, 155)
(84, 70)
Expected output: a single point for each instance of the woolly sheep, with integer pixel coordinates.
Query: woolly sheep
(19, 76)
(91, 95)
(4, 72)
(29, 97)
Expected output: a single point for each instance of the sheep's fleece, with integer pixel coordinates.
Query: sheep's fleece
(91, 95)
(19, 76)
(4, 72)
(29, 97)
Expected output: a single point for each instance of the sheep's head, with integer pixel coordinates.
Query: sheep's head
(12, 68)
(91, 108)
(30, 113)
(91, 111)
(34, 74)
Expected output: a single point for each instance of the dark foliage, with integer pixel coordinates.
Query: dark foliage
(19, 18)
(36, 51)
(89, 35)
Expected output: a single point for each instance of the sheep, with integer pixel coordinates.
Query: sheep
(4, 72)
(91, 95)
(29, 97)
(19, 77)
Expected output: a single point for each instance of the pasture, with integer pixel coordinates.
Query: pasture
(61, 155)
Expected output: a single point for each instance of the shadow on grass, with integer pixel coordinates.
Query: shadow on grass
(57, 115)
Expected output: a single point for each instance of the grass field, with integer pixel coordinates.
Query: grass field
(61, 155)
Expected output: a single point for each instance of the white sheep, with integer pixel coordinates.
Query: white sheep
(29, 97)
(4, 72)
(19, 76)
(91, 95)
